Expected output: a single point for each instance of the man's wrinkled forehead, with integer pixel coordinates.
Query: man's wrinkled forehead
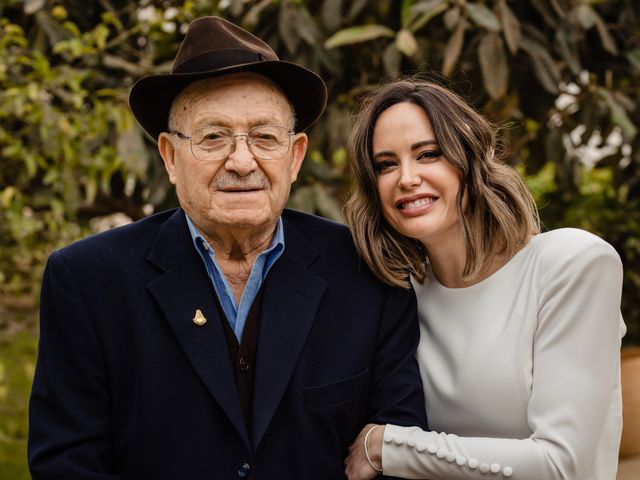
(252, 83)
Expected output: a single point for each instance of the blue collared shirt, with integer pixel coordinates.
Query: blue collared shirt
(237, 314)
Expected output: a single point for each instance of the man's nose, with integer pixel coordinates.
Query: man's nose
(240, 160)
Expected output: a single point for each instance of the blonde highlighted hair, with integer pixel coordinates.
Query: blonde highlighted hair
(500, 214)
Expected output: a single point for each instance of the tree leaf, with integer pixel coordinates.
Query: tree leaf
(421, 13)
(584, 15)
(453, 49)
(406, 42)
(332, 14)
(250, 20)
(618, 114)
(32, 6)
(544, 67)
(391, 59)
(541, 7)
(361, 33)
(483, 17)
(510, 26)
(356, 8)
(568, 50)
(286, 20)
(306, 26)
(634, 59)
(451, 18)
(493, 64)
(607, 40)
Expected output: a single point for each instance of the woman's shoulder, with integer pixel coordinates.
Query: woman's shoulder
(563, 247)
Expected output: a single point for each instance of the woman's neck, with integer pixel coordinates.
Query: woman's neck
(448, 260)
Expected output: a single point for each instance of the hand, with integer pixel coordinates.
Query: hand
(357, 465)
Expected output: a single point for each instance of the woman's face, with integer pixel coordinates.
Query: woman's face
(416, 183)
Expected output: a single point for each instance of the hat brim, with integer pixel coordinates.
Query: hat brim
(151, 97)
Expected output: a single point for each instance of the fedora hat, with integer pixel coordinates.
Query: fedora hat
(213, 47)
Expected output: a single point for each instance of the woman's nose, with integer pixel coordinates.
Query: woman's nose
(409, 177)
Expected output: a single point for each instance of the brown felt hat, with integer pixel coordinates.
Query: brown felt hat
(214, 47)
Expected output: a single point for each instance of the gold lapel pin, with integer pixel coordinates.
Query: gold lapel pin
(199, 318)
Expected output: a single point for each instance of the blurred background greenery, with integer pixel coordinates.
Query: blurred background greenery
(563, 76)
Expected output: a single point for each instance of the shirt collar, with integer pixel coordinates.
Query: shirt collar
(276, 241)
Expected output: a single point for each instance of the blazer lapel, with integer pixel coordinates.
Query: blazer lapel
(291, 298)
(180, 290)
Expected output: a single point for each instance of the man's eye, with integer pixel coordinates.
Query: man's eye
(213, 136)
(264, 137)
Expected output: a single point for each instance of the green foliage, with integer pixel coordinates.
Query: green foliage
(72, 151)
(17, 363)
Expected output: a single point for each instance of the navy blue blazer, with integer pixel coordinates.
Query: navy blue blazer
(127, 386)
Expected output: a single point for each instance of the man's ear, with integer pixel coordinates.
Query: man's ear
(299, 150)
(167, 152)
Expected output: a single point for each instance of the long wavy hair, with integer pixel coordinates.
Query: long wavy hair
(500, 214)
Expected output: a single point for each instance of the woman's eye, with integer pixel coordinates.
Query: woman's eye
(429, 155)
(384, 165)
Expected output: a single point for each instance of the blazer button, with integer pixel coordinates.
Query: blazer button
(243, 363)
(243, 471)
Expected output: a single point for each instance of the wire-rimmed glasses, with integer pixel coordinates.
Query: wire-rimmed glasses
(214, 143)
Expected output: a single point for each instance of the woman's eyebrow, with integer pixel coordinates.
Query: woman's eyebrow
(423, 143)
(384, 153)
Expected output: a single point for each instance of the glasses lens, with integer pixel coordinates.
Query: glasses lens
(211, 143)
(266, 142)
(269, 142)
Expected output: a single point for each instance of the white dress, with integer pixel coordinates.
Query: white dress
(521, 371)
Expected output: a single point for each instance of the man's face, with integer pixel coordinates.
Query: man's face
(239, 192)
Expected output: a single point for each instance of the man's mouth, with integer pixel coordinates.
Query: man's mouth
(240, 189)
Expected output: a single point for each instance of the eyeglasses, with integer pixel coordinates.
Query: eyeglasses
(213, 143)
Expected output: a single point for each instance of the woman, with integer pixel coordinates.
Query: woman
(520, 330)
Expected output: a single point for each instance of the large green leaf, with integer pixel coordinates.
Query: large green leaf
(633, 57)
(584, 15)
(510, 26)
(361, 33)
(544, 67)
(287, 18)
(618, 114)
(422, 12)
(406, 42)
(451, 18)
(453, 49)
(391, 59)
(493, 64)
(483, 17)
(607, 40)
(332, 14)
(565, 43)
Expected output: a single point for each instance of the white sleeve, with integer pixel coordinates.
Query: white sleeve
(575, 381)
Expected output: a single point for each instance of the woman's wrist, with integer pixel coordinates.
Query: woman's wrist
(373, 446)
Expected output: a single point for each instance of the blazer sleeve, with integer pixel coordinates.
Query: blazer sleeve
(396, 393)
(575, 386)
(69, 408)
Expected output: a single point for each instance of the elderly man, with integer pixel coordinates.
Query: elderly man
(227, 338)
